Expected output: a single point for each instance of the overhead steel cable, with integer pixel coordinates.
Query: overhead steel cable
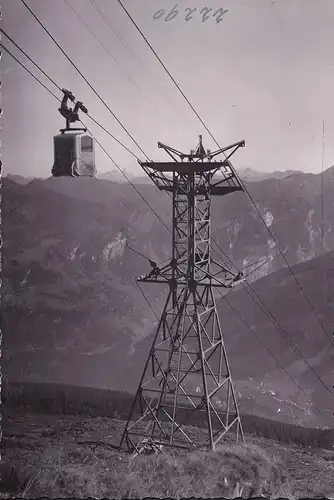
(127, 178)
(89, 131)
(259, 302)
(137, 58)
(28, 57)
(247, 192)
(104, 17)
(92, 2)
(236, 312)
(293, 345)
(113, 137)
(270, 353)
(198, 116)
(280, 328)
(84, 78)
(289, 267)
(46, 88)
(322, 189)
(277, 325)
(92, 32)
(165, 68)
(60, 90)
(95, 139)
(30, 72)
(241, 183)
(146, 299)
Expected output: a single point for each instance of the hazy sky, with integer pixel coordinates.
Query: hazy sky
(264, 74)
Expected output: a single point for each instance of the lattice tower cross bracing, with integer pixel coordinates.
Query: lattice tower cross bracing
(187, 370)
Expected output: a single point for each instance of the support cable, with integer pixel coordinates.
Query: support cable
(130, 181)
(236, 312)
(107, 21)
(290, 269)
(60, 90)
(93, 119)
(244, 187)
(28, 70)
(280, 328)
(322, 189)
(293, 345)
(198, 116)
(146, 299)
(84, 78)
(92, 32)
(165, 68)
(137, 58)
(103, 149)
(224, 297)
(270, 353)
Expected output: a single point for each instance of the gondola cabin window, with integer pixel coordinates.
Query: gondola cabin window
(86, 143)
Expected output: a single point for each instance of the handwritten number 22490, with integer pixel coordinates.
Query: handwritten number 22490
(218, 14)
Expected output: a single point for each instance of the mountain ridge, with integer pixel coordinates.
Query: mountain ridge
(76, 314)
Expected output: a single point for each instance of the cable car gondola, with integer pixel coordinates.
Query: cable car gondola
(74, 148)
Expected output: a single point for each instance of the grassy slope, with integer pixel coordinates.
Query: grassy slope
(48, 455)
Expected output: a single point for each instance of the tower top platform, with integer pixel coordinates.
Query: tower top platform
(219, 176)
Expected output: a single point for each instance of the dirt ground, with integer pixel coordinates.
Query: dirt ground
(68, 456)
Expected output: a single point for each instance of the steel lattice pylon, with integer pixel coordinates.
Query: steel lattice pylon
(187, 369)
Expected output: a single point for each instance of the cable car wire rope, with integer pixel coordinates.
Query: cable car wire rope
(236, 312)
(128, 179)
(97, 141)
(60, 90)
(22, 65)
(80, 73)
(92, 32)
(137, 58)
(281, 328)
(322, 189)
(107, 21)
(252, 201)
(104, 150)
(244, 187)
(84, 78)
(30, 72)
(270, 353)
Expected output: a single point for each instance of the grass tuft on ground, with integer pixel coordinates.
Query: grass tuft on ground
(82, 473)
(206, 474)
(53, 456)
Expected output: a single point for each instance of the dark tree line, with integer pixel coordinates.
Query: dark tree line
(91, 402)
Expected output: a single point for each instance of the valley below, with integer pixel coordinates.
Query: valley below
(72, 313)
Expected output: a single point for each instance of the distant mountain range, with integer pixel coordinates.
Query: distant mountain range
(247, 174)
(117, 176)
(72, 313)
